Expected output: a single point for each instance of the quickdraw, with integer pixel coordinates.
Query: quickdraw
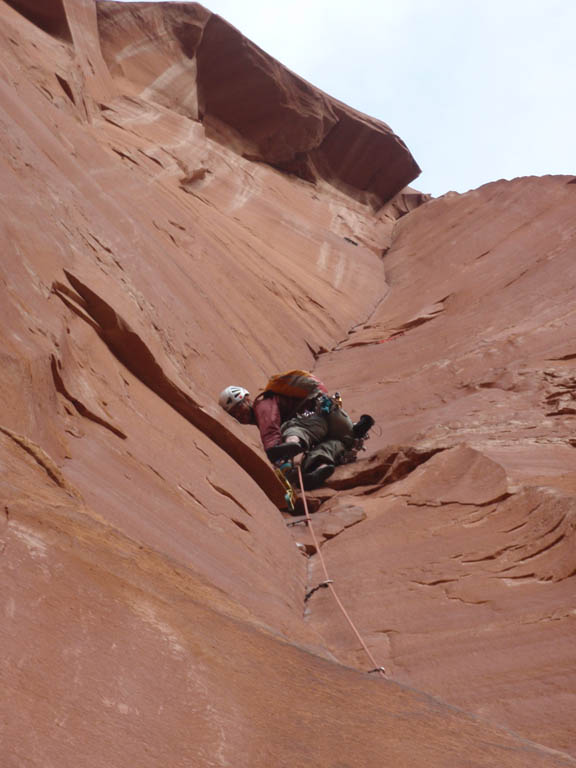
(289, 492)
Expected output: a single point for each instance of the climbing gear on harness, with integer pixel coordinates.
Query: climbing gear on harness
(231, 396)
(329, 582)
(284, 465)
(289, 492)
(324, 404)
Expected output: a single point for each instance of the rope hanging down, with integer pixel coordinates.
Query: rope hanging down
(328, 582)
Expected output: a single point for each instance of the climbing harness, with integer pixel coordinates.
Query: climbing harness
(324, 404)
(329, 583)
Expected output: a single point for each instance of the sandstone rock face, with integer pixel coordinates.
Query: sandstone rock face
(471, 354)
(49, 16)
(463, 589)
(475, 340)
(197, 64)
(161, 240)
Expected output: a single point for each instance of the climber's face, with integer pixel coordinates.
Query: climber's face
(242, 411)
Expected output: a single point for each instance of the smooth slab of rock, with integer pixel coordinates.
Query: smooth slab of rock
(115, 655)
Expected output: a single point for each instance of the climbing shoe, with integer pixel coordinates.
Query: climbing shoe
(316, 477)
(283, 451)
(362, 426)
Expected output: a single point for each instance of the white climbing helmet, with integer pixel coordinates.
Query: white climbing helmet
(231, 396)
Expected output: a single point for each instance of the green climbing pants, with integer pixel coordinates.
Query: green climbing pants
(325, 436)
(326, 452)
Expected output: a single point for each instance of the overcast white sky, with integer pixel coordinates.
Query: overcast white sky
(478, 89)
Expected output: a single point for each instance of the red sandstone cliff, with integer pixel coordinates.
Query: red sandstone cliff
(181, 212)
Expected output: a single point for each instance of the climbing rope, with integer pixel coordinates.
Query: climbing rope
(329, 583)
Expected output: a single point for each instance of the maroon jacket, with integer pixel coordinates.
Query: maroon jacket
(270, 412)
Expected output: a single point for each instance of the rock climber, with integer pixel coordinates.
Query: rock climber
(312, 430)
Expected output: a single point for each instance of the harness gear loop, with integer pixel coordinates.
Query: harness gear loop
(328, 582)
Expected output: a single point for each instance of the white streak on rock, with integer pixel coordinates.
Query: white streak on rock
(147, 613)
(324, 257)
(183, 93)
(36, 546)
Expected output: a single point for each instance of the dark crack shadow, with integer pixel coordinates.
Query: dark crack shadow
(132, 352)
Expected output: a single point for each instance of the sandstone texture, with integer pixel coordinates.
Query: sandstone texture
(180, 212)
(471, 357)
